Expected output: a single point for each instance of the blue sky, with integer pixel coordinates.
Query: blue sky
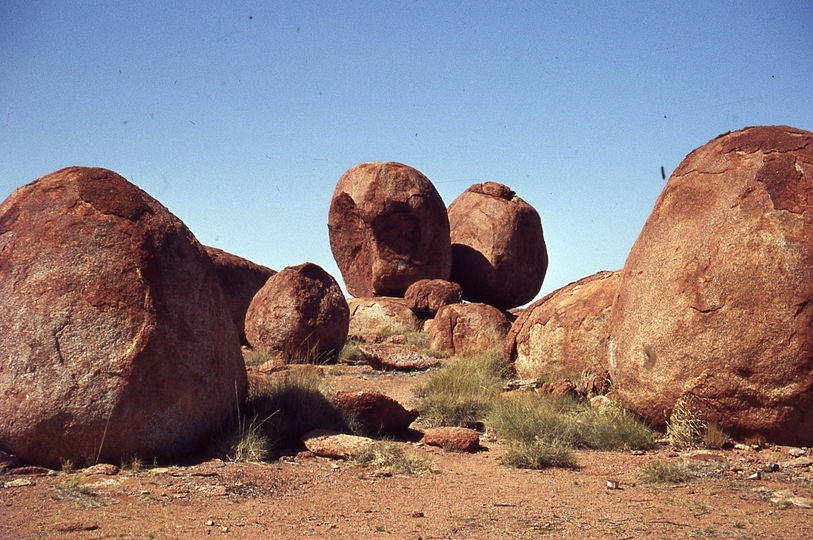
(240, 117)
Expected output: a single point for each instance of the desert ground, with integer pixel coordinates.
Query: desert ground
(733, 494)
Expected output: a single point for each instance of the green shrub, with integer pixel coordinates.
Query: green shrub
(390, 455)
(463, 391)
(539, 454)
(684, 429)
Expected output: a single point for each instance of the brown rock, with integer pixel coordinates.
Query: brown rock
(429, 295)
(378, 413)
(499, 255)
(334, 445)
(240, 279)
(300, 313)
(468, 329)
(373, 316)
(116, 338)
(388, 229)
(564, 333)
(457, 439)
(396, 357)
(716, 298)
(102, 469)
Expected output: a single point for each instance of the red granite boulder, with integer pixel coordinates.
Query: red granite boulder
(468, 329)
(240, 279)
(300, 313)
(376, 412)
(715, 304)
(499, 255)
(388, 229)
(564, 333)
(378, 316)
(429, 295)
(456, 439)
(116, 339)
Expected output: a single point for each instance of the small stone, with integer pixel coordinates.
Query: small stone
(770, 467)
(755, 476)
(796, 452)
(612, 484)
(209, 523)
(224, 529)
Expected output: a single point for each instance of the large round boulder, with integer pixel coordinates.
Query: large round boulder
(564, 333)
(499, 255)
(468, 329)
(299, 313)
(115, 337)
(388, 229)
(240, 280)
(715, 304)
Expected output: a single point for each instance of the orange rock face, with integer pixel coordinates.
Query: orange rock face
(564, 333)
(499, 255)
(116, 339)
(388, 229)
(468, 329)
(716, 298)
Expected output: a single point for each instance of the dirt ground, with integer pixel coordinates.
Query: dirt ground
(468, 496)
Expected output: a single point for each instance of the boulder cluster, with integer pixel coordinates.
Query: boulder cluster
(120, 334)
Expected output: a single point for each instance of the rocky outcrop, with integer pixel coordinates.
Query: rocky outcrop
(376, 412)
(240, 279)
(388, 229)
(377, 316)
(427, 296)
(468, 329)
(116, 339)
(564, 333)
(299, 313)
(499, 255)
(456, 439)
(715, 305)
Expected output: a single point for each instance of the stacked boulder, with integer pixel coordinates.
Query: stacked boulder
(116, 338)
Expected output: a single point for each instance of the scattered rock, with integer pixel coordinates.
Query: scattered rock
(796, 452)
(499, 255)
(240, 279)
(19, 482)
(300, 313)
(715, 303)
(104, 469)
(120, 338)
(429, 295)
(388, 229)
(378, 413)
(564, 333)
(468, 329)
(369, 317)
(457, 439)
(785, 497)
(396, 358)
(334, 445)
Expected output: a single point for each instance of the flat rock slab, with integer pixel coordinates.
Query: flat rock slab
(396, 358)
(334, 445)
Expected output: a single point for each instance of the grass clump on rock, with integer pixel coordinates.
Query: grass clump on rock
(462, 392)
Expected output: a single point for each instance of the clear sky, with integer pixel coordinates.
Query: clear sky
(241, 116)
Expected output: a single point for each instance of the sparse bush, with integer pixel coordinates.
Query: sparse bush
(612, 427)
(539, 454)
(666, 473)
(463, 391)
(715, 438)
(390, 455)
(71, 490)
(256, 358)
(351, 352)
(684, 428)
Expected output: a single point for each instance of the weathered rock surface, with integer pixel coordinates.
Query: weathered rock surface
(715, 305)
(240, 279)
(429, 295)
(334, 445)
(456, 439)
(565, 333)
(301, 313)
(396, 358)
(388, 229)
(468, 329)
(116, 339)
(374, 316)
(499, 255)
(376, 412)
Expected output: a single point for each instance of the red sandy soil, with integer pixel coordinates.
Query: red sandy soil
(468, 496)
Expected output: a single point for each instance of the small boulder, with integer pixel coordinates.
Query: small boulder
(388, 229)
(499, 255)
(334, 445)
(300, 313)
(116, 338)
(565, 333)
(240, 279)
(371, 317)
(376, 412)
(429, 295)
(468, 329)
(396, 357)
(456, 439)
